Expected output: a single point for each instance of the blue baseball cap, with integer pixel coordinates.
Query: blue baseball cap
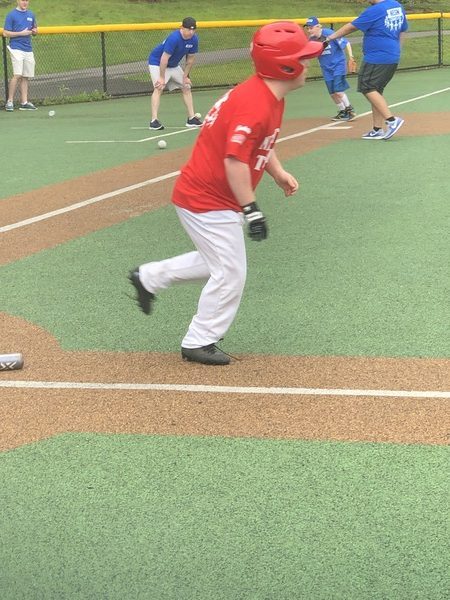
(312, 21)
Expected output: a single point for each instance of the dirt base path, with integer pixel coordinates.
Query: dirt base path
(28, 415)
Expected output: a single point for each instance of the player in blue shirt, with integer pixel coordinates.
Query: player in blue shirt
(166, 72)
(20, 25)
(383, 24)
(334, 68)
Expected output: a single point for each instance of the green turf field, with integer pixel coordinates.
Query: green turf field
(355, 265)
(90, 516)
(309, 255)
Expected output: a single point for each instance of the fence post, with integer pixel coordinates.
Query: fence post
(5, 67)
(440, 43)
(102, 36)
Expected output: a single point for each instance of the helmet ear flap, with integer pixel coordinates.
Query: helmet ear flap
(291, 71)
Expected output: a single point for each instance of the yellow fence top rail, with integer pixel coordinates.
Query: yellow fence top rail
(204, 24)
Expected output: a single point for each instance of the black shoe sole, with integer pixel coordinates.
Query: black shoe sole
(199, 355)
(144, 298)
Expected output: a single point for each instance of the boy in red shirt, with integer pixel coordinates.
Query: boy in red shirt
(215, 194)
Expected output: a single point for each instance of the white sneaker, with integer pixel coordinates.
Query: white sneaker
(9, 106)
(393, 127)
(374, 135)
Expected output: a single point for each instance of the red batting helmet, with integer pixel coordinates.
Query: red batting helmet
(277, 49)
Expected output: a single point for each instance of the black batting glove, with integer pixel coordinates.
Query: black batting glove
(256, 221)
(325, 42)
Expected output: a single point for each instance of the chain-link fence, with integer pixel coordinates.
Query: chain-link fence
(88, 63)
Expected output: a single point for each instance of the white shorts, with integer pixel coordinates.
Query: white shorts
(173, 77)
(23, 63)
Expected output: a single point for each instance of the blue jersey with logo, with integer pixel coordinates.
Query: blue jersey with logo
(332, 60)
(18, 20)
(176, 46)
(382, 24)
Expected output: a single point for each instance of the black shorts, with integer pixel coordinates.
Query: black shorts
(374, 78)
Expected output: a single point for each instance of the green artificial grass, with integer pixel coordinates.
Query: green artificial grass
(354, 270)
(130, 516)
(354, 265)
(55, 160)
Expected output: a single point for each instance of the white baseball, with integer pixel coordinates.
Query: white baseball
(198, 115)
(51, 113)
(162, 144)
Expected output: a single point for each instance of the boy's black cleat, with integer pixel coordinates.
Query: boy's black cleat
(207, 355)
(144, 298)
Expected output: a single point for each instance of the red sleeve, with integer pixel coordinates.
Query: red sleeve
(244, 132)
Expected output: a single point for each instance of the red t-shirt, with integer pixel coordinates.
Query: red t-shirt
(243, 124)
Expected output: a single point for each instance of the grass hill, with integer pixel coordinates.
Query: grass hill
(87, 12)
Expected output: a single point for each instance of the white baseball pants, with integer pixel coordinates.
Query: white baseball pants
(220, 259)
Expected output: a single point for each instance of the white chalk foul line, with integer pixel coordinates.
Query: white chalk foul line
(447, 89)
(166, 127)
(147, 139)
(331, 126)
(218, 389)
(84, 203)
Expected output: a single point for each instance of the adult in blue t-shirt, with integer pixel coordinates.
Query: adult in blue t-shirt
(166, 72)
(20, 25)
(333, 64)
(383, 25)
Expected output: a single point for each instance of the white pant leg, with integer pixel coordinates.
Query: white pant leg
(156, 276)
(219, 238)
(220, 258)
